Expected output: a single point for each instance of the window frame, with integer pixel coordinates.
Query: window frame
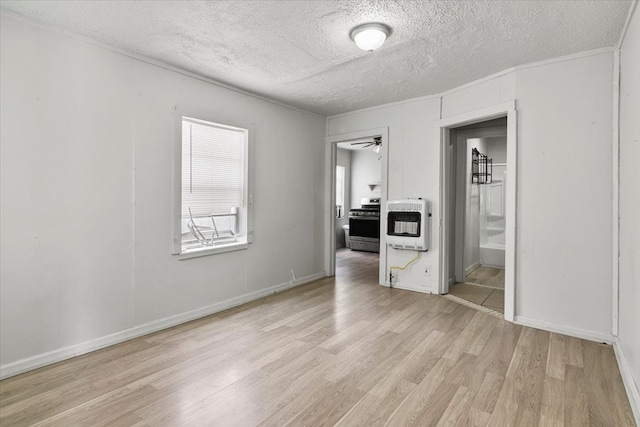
(340, 208)
(247, 216)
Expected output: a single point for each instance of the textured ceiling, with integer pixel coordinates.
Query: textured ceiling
(299, 52)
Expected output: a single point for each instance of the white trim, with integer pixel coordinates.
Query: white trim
(623, 34)
(479, 81)
(511, 210)
(615, 193)
(203, 78)
(205, 251)
(476, 116)
(471, 268)
(37, 361)
(387, 105)
(630, 385)
(176, 200)
(150, 61)
(330, 196)
(344, 137)
(564, 329)
(564, 58)
(440, 95)
(496, 266)
(570, 57)
(250, 179)
(445, 278)
(331, 149)
(499, 74)
(408, 287)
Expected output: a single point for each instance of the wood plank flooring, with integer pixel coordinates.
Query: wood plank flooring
(339, 351)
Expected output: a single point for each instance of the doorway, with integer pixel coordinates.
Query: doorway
(358, 176)
(479, 169)
(341, 150)
(453, 204)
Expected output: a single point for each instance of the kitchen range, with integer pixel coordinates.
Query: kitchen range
(364, 226)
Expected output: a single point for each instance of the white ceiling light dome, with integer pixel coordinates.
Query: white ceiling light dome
(371, 36)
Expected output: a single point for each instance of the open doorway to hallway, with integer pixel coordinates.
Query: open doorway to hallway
(356, 194)
(358, 176)
(356, 266)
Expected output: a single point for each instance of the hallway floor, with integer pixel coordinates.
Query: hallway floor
(357, 266)
(483, 286)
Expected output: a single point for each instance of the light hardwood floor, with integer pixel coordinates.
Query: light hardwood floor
(341, 351)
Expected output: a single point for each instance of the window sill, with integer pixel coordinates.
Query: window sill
(206, 251)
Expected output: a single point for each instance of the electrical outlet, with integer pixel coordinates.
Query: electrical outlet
(427, 270)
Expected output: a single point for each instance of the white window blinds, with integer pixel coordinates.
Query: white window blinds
(212, 168)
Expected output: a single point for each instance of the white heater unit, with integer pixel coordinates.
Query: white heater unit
(408, 224)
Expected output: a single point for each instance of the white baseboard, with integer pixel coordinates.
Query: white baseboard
(471, 268)
(630, 385)
(564, 329)
(499, 267)
(411, 287)
(37, 361)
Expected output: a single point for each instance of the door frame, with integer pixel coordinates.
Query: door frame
(330, 196)
(443, 127)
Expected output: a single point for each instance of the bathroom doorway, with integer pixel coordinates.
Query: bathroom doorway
(480, 174)
(357, 171)
(491, 202)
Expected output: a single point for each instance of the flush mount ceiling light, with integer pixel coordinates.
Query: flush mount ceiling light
(369, 37)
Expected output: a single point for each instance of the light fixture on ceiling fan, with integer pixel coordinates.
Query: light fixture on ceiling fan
(376, 142)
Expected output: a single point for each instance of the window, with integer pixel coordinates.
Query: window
(214, 194)
(339, 191)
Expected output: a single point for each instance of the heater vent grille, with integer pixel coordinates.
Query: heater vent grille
(405, 206)
(407, 224)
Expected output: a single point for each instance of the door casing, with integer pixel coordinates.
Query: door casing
(443, 128)
(330, 196)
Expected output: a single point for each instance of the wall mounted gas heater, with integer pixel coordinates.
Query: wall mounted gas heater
(408, 224)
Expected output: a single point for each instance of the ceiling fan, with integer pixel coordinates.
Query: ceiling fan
(377, 141)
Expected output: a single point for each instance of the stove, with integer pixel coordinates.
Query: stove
(363, 212)
(364, 226)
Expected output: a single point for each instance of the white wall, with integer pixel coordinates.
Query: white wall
(365, 170)
(564, 238)
(629, 197)
(86, 213)
(497, 149)
(564, 217)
